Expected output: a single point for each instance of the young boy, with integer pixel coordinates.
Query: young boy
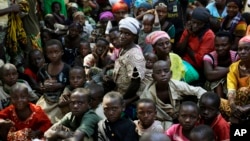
(80, 123)
(202, 133)
(188, 118)
(146, 113)
(168, 93)
(96, 94)
(150, 58)
(115, 127)
(9, 77)
(209, 110)
(22, 120)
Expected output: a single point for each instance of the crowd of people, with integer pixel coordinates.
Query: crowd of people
(123, 70)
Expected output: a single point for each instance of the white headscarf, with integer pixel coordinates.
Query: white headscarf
(131, 24)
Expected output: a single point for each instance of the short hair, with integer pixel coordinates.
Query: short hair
(82, 91)
(102, 39)
(225, 34)
(78, 68)
(204, 131)
(34, 51)
(96, 88)
(114, 94)
(54, 3)
(4, 66)
(54, 42)
(18, 87)
(154, 136)
(189, 103)
(150, 53)
(161, 61)
(148, 17)
(116, 28)
(213, 96)
(146, 100)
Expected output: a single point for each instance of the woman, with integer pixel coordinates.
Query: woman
(234, 22)
(160, 41)
(238, 82)
(129, 69)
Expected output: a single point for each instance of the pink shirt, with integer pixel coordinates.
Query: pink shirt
(175, 133)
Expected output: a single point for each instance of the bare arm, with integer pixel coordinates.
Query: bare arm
(12, 8)
(213, 74)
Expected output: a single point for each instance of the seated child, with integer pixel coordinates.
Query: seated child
(77, 125)
(168, 93)
(96, 94)
(56, 8)
(9, 77)
(53, 77)
(115, 127)
(150, 58)
(83, 50)
(24, 120)
(146, 113)
(188, 118)
(154, 136)
(210, 115)
(202, 133)
(76, 80)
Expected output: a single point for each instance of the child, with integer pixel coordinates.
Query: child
(96, 94)
(150, 23)
(56, 8)
(154, 136)
(209, 105)
(77, 125)
(77, 79)
(9, 77)
(150, 58)
(188, 118)
(113, 127)
(83, 50)
(26, 121)
(146, 113)
(114, 40)
(53, 77)
(202, 133)
(168, 93)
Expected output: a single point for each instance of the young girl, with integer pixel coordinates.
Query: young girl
(146, 113)
(71, 43)
(83, 50)
(188, 118)
(56, 8)
(77, 79)
(22, 120)
(53, 78)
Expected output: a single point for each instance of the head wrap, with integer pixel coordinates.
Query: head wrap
(161, 3)
(119, 6)
(142, 4)
(201, 14)
(78, 13)
(153, 37)
(72, 4)
(131, 24)
(106, 15)
(245, 39)
(237, 2)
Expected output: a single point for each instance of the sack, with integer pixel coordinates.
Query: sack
(190, 73)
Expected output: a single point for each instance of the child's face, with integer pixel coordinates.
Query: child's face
(37, 59)
(208, 111)
(100, 47)
(45, 37)
(162, 46)
(162, 12)
(95, 99)
(54, 53)
(150, 60)
(162, 73)
(56, 8)
(76, 78)
(141, 10)
(84, 49)
(146, 114)
(188, 117)
(78, 104)
(114, 38)
(10, 76)
(73, 32)
(112, 108)
(19, 99)
(80, 20)
(147, 25)
(222, 45)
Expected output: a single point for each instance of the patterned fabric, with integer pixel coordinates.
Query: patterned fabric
(124, 66)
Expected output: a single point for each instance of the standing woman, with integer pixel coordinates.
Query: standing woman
(234, 22)
(129, 68)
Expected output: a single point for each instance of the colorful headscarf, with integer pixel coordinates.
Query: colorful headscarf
(153, 37)
(119, 6)
(106, 15)
(245, 39)
(131, 24)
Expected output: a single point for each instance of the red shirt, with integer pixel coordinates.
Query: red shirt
(199, 46)
(31, 74)
(38, 120)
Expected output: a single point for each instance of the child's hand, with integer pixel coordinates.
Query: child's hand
(66, 97)
(34, 134)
